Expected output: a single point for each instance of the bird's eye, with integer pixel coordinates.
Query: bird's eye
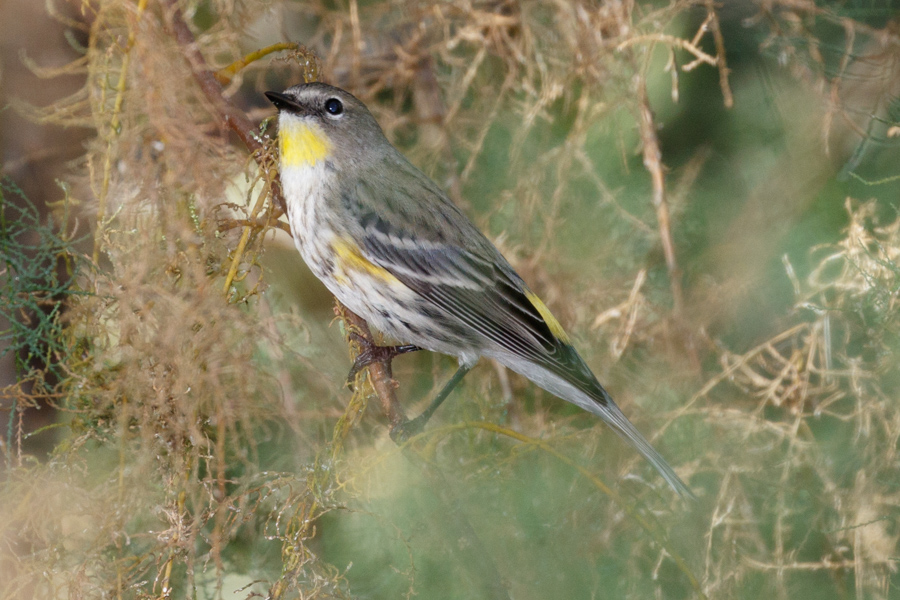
(334, 106)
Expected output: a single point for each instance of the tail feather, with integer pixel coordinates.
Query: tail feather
(601, 404)
(622, 426)
(587, 393)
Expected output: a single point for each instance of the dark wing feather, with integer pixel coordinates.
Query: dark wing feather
(445, 259)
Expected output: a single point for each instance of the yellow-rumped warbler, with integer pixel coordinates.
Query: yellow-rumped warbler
(389, 243)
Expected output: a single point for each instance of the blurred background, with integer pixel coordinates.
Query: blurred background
(705, 194)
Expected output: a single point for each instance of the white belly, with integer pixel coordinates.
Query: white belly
(384, 306)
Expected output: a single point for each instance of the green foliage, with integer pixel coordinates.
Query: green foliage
(39, 270)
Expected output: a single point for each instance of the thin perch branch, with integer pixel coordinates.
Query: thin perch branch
(380, 373)
(226, 74)
(653, 164)
(228, 115)
(713, 19)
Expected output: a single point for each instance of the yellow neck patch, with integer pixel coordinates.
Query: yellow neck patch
(555, 328)
(301, 145)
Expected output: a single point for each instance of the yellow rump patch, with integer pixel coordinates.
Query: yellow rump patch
(349, 258)
(302, 145)
(555, 328)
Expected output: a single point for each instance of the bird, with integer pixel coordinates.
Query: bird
(389, 243)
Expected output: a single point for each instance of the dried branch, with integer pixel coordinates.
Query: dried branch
(653, 164)
(233, 118)
(380, 373)
(670, 40)
(712, 23)
(228, 115)
(254, 224)
(114, 124)
(225, 75)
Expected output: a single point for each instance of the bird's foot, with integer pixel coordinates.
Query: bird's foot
(371, 353)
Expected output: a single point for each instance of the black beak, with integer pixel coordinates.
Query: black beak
(282, 102)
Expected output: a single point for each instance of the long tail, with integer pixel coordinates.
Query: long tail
(581, 388)
(622, 426)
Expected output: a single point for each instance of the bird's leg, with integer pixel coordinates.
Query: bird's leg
(403, 431)
(371, 353)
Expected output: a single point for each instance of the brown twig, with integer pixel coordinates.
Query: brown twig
(255, 224)
(653, 155)
(225, 75)
(671, 40)
(229, 116)
(380, 373)
(653, 164)
(713, 24)
(114, 124)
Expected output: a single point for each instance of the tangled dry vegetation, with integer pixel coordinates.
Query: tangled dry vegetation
(207, 447)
